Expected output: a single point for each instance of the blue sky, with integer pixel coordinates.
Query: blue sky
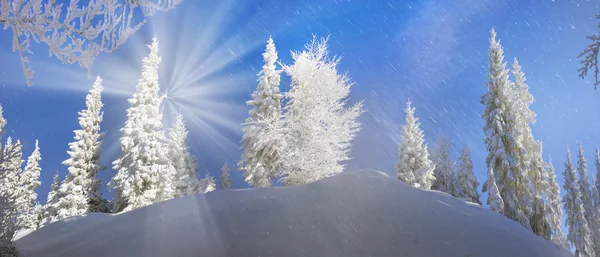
(432, 52)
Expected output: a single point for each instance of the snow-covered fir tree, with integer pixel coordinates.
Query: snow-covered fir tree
(522, 99)
(29, 181)
(538, 179)
(225, 177)
(502, 139)
(186, 169)
(579, 233)
(207, 184)
(494, 199)
(591, 215)
(554, 213)
(530, 159)
(11, 162)
(7, 227)
(466, 182)
(8, 151)
(51, 207)
(38, 212)
(597, 183)
(319, 124)
(144, 173)
(81, 188)
(11, 167)
(262, 140)
(414, 167)
(444, 167)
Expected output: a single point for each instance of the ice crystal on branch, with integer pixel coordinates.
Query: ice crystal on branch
(77, 32)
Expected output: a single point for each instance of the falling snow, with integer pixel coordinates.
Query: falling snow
(431, 52)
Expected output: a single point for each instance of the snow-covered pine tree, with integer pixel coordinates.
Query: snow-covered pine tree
(186, 169)
(522, 99)
(262, 140)
(505, 153)
(81, 187)
(38, 212)
(494, 199)
(29, 181)
(51, 207)
(554, 213)
(7, 227)
(319, 125)
(591, 215)
(11, 167)
(530, 159)
(225, 178)
(466, 182)
(597, 183)
(207, 184)
(144, 173)
(579, 234)
(538, 178)
(10, 155)
(414, 167)
(444, 167)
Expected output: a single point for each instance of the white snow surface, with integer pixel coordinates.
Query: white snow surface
(360, 213)
(22, 233)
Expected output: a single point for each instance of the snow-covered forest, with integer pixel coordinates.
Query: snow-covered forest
(290, 137)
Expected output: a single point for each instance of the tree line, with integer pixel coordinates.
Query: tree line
(302, 141)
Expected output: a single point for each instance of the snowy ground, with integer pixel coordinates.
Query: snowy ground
(362, 213)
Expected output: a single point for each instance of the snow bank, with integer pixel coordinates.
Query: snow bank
(362, 213)
(22, 233)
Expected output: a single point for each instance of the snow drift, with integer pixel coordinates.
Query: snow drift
(363, 213)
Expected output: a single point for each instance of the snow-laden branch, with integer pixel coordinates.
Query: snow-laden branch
(590, 58)
(77, 32)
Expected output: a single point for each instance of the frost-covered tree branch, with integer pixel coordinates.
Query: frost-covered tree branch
(77, 32)
(590, 57)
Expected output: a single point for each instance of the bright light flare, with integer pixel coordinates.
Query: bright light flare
(201, 74)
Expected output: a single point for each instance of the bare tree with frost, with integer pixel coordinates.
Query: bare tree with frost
(319, 124)
(75, 32)
(589, 57)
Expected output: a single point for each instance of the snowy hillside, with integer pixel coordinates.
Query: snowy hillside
(363, 213)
